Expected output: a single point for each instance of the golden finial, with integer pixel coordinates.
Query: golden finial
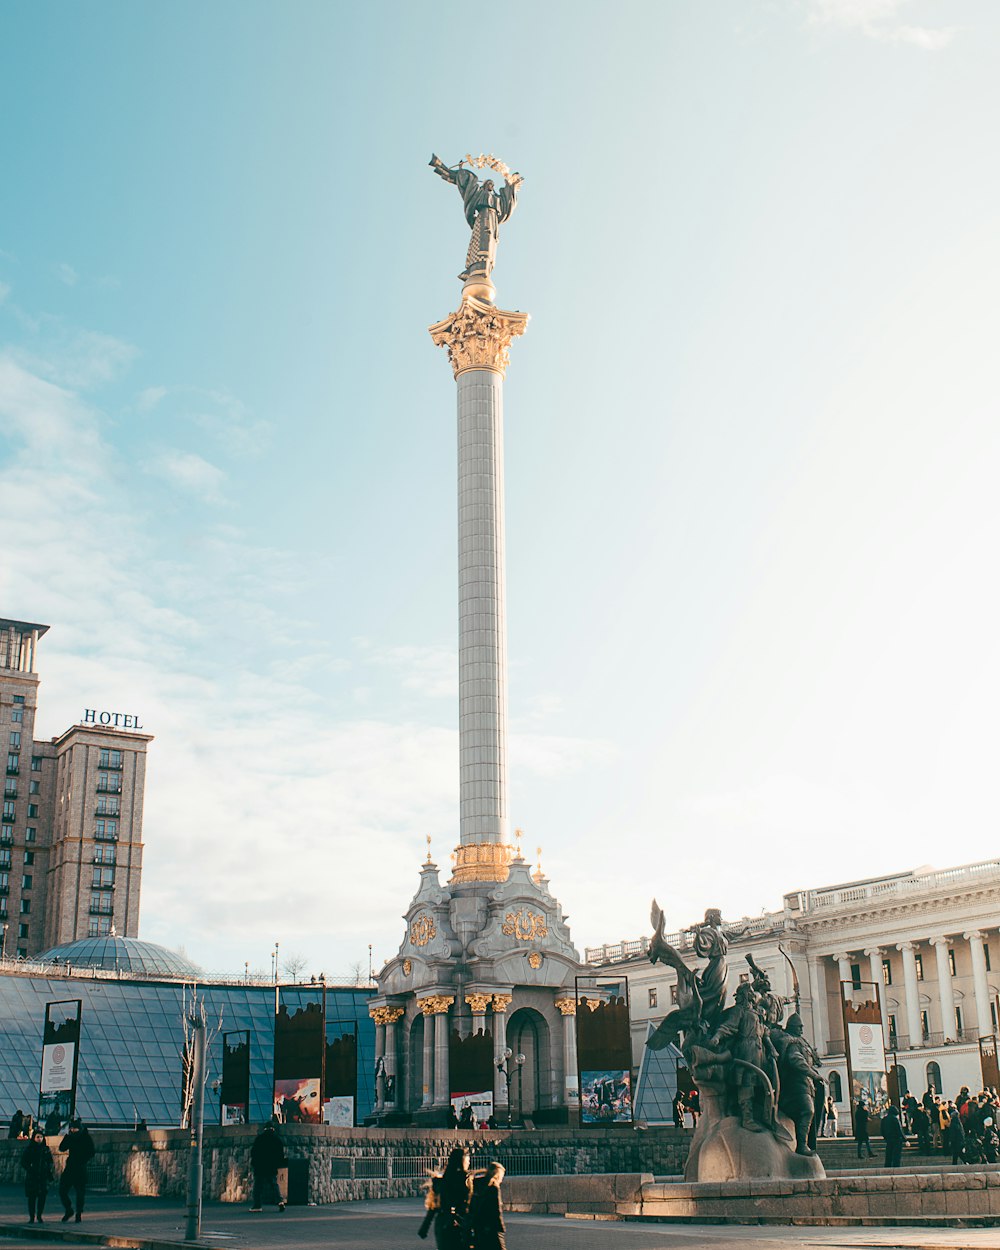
(518, 835)
(537, 875)
(428, 860)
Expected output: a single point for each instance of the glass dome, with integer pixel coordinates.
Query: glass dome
(122, 954)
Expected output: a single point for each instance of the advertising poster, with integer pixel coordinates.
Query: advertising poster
(339, 1112)
(480, 1104)
(60, 1057)
(604, 1050)
(234, 1095)
(299, 1056)
(606, 1097)
(340, 1091)
(865, 1046)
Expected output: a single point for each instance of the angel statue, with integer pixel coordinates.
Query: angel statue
(486, 209)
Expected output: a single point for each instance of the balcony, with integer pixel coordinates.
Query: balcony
(108, 767)
(111, 787)
(13, 771)
(105, 837)
(103, 859)
(113, 812)
(101, 909)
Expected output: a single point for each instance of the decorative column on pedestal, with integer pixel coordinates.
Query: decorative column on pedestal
(429, 1007)
(500, 1004)
(478, 338)
(912, 991)
(390, 1016)
(478, 1003)
(375, 1014)
(980, 982)
(571, 1080)
(874, 954)
(946, 992)
(439, 1005)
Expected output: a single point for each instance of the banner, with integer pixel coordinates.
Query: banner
(988, 1061)
(234, 1096)
(60, 1059)
(604, 1050)
(299, 1058)
(865, 1046)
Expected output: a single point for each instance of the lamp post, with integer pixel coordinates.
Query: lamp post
(503, 1067)
(519, 1060)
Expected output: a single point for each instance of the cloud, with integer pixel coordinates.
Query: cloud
(878, 19)
(430, 671)
(148, 398)
(81, 359)
(222, 416)
(67, 274)
(4, 291)
(190, 472)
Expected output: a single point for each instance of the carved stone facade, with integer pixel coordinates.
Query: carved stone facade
(930, 940)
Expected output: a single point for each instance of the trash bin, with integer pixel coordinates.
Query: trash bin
(298, 1182)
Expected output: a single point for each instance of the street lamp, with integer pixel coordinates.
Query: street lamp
(503, 1067)
(519, 1060)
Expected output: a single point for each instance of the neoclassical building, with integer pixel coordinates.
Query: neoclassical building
(928, 938)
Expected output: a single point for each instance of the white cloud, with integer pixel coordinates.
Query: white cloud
(149, 397)
(67, 274)
(76, 358)
(189, 472)
(431, 671)
(4, 291)
(878, 19)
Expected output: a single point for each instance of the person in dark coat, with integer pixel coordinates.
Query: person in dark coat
(861, 1136)
(16, 1125)
(892, 1133)
(39, 1171)
(447, 1203)
(79, 1150)
(486, 1210)
(922, 1127)
(266, 1155)
(955, 1137)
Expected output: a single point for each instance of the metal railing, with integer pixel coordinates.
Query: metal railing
(984, 870)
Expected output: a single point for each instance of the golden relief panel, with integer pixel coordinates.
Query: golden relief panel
(407, 967)
(526, 926)
(422, 929)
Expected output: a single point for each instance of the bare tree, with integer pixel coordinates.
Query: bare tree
(293, 965)
(358, 972)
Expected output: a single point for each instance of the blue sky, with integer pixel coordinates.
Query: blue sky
(751, 441)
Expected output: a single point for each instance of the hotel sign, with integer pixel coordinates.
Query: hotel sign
(120, 720)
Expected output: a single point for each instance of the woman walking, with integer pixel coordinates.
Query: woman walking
(448, 1198)
(486, 1213)
(39, 1170)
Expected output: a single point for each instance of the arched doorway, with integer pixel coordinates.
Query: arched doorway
(530, 1082)
(834, 1079)
(415, 1064)
(934, 1077)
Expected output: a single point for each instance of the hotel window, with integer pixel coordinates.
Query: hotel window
(101, 903)
(652, 997)
(36, 763)
(109, 783)
(29, 858)
(22, 930)
(17, 715)
(26, 882)
(108, 806)
(8, 810)
(5, 861)
(886, 972)
(110, 759)
(10, 789)
(25, 906)
(32, 811)
(99, 927)
(106, 828)
(13, 763)
(958, 1020)
(104, 854)
(15, 739)
(34, 787)
(4, 880)
(986, 956)
(103, 877)
(919, 961)
(30, 833)
(951, 962)
(6, 833)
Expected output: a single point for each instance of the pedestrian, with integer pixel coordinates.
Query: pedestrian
(678, 1107)
(922, 1128)
(452, 1116)
(486, 1210)
(39, 1170)
(16, 1124)
(266, 1155)
(990, 1141)
(693, 1103)
(447, 1202)
(79, 1150)
(955, 1137)
(944, 1120)
(831, 1117)
(892, 1133)
(861, 1136)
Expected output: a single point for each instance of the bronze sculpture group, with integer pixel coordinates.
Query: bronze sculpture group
(758, 1063)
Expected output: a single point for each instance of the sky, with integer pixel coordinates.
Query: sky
(751, 449)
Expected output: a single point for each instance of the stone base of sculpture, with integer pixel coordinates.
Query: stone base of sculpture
(723, 1150)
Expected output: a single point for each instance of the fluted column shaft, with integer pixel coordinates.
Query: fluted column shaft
(442, 1091)
(875, 964)
(571, 1082)
(821, 1022)
(912, 992)
(482, 618)
(379, 1054)
(982, 988)
(428, 1097)
(946, 991)
(500, 1004)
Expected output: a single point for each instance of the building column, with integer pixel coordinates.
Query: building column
(821, 1023)
(501, 1002)
(442, 1091)
(843, 968)
(376, 1015)
(983, 1018)
(428, 1007)
(946, 992)
(875, 964)
(392, 1014)
(571, 1081)
(912, 993)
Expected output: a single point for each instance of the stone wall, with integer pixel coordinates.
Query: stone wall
(348, 1164)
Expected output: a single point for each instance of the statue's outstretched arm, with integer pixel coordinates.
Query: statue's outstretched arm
(441, 169)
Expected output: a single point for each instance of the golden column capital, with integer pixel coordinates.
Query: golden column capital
(478, 336)
(478, 1003)
(502, 1001)
(567, 1006)
(385, 1015)
(436, 1004)
(482, 861)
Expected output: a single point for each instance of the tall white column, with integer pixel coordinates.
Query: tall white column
(983, 1018)
(442, 1090)
(946, 991)
(843, 967)
(912, 992)
(478, 339)
(821, 1022)
(571, 1082)
(501, 1002)
(875, 964)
